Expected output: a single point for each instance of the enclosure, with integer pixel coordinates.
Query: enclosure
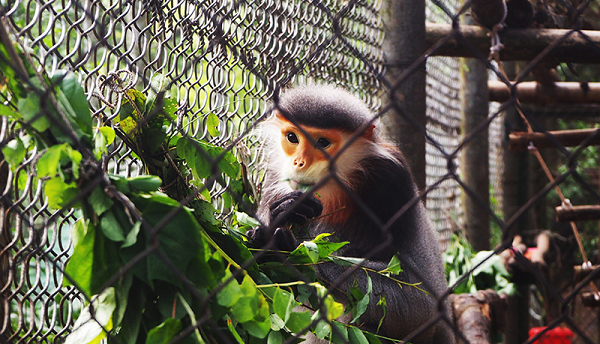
(131, 169)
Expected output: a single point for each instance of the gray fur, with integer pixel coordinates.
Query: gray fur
(324, 106)
(383, 182)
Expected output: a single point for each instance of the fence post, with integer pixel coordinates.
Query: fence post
(515, 194)
(404, 27)
(474, 166)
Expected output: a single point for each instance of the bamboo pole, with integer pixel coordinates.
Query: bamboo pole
(519, 44)
(578, 213)
(519, 141)
(536, 93)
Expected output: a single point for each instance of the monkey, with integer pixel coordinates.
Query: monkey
(324, 140)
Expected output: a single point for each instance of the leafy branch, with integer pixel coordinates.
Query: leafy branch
(151, 258)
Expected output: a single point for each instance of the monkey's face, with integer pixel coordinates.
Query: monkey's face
(307, 153)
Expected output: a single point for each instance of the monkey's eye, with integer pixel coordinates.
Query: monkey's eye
(323, 143)
(291, 137)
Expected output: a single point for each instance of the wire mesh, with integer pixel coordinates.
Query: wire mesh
(221, 62)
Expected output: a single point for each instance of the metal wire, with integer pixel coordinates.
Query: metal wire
(226, 58)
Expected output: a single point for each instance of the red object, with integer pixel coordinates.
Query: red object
(558, 335)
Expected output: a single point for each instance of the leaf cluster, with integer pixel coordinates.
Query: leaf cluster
(153, 268)
(490, 273)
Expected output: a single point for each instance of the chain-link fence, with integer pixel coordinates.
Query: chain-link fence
(100, 95)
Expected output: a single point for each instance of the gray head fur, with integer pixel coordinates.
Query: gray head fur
(324, 107)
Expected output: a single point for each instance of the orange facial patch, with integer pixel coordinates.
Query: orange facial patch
(303, 150)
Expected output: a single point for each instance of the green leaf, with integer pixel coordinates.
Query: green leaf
(131, 319)
(298, 321)
(229, 164)
(49, 164)
(339, 333)
(283, 304)
(356, 336)
(276, 322)
(312, 251)
(305, 253)
(165, 332)
(32, 113)
(212, 124)
(245, 309)
(103, 139)
(14, 152)
(261, 325)
(59, 193)
(393, 266)
(108, 133)
(325, 247)
(88, 327)
(274, 338)
(94, 259)
(201, 161)
(179, 238)
(99, 201)
(129, 115)
(132, 235)
(122, 289)
(322, 329)
(170, 108)
(144, 183)
(372, 338)
(345, 261)
(80, 129)
(8, 111)
(111, 228)
(245, 219)
(363, 299)
(79, 266)
(383, 303)
(230, 293)
(75, 95)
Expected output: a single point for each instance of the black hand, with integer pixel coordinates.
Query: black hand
(299, 212)
(283, 238)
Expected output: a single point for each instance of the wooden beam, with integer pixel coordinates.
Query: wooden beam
(590, 299)
(578, 213)
(519, 141)
(579, 273)
(536, 93)
(519, 44)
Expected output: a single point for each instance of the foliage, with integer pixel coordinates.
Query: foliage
(580, 189)
(153, 269)
(459, 259)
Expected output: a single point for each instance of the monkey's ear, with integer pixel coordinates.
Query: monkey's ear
(368, 133)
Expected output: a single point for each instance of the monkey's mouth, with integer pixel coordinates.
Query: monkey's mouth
(302, 186)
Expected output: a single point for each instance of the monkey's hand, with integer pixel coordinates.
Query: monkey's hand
(299, 212)
(283, 238)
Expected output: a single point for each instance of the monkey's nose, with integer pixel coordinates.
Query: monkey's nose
(299, 163)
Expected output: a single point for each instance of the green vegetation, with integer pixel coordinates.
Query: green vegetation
(150, 255)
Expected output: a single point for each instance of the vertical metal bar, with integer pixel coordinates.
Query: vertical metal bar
(404, 28)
